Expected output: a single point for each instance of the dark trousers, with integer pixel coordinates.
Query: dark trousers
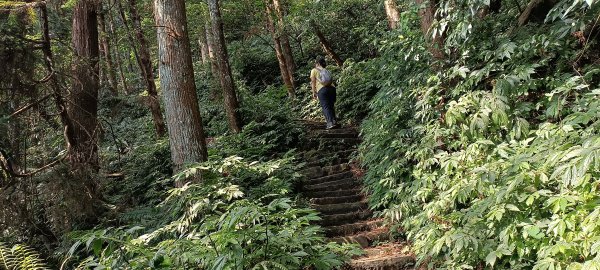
(327, 97)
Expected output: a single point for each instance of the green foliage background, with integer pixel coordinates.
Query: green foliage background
(488, 157)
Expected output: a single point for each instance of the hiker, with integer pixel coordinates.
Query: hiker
(322, 87)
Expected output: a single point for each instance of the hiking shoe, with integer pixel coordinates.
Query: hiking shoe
(328, 127)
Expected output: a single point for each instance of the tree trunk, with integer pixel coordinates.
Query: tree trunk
(427, 11)
(54, 84)
(14, 132)
(83, 103)
(214, 69)
(391, 10)
(326, 46)
(536, 11)
(147, 72)
(133, 48)
(288, 54)
(186, 134)
(222, 57)
(202, 44)
(106, 50)
(118, 62)
(287, 80)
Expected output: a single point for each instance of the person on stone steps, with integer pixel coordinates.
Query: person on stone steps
(323, 88)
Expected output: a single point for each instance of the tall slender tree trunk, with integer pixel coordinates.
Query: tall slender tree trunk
(147, 72)
(186, 134)
(14, 132)
(118, 61)
(83, 103)
(59, 102)
(288, 54)
(214, 68)
(287, 80)
(326, 45)
(203, 46)
(106, 51)
(210, 43)
(222, 57)
(128, 32)
(427, 9)
(391, 10)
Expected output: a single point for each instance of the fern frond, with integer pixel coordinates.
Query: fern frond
(20, 257)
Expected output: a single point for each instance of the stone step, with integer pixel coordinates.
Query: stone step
(348, 218)
(318, 125)
(333, 193)
(364, 239)
(354, 228)
(341, 133)
(320, 171)
(329, 178)
(316, 155)
(341, 208)
(385, 257)
(339, 199)
(328, 161)
(323, 143)
(342, 184)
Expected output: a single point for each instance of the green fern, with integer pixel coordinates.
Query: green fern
(20, 257)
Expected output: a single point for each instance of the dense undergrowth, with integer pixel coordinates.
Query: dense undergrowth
(488, 158)
(243, 215)
(240, 217)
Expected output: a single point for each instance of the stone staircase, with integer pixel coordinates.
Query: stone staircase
(333, 187)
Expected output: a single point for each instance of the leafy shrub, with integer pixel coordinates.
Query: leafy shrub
(490, 159)
(141, 166)
(271, 127)
(357, 85)
(216, 225)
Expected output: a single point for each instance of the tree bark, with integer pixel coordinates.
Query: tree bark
(132, 49)
(536, 11)
(83, 100)
(222, 59)
(326, 45)
(145, 64)
(106, 50)
(203, 45)
(54, 84)
(393, 16)
(288, 54)
(118, 62)
(214, 69)
(427, 9)
(287, 80)
(186, 134)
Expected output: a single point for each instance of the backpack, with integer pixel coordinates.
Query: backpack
(325, 77)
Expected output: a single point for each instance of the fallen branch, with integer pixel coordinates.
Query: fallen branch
(23, 109)
(6, 165)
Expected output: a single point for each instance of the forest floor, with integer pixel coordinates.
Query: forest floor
(333, 187)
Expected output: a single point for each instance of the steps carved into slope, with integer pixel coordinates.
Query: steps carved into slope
(333, 187)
